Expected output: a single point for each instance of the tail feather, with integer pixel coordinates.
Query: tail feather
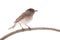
(12, 26)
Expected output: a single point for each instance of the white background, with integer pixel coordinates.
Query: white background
(48, 15)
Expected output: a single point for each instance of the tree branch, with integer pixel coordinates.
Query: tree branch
(20, 30)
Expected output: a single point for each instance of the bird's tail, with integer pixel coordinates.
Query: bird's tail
(12, 26)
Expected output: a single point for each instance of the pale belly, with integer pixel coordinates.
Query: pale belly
(26, 20)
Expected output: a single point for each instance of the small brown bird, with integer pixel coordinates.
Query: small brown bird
(24, 17)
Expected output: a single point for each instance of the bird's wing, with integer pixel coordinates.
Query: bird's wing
(20, 17)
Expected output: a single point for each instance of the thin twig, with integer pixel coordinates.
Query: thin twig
(20, 30)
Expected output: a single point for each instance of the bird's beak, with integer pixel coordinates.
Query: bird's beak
(36, 10)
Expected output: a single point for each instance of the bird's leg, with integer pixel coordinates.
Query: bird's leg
(28, 26)
(21, 26)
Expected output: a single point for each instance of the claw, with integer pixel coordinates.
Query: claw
(23, 29)
(29, 28)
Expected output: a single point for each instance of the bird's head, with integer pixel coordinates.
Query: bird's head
(31, 10)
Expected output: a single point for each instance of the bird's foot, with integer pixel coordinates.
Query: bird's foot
(23, 29)
(29, 28)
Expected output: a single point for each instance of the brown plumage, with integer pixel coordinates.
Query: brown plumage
(25, 17)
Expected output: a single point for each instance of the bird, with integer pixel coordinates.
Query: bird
(25, 17)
